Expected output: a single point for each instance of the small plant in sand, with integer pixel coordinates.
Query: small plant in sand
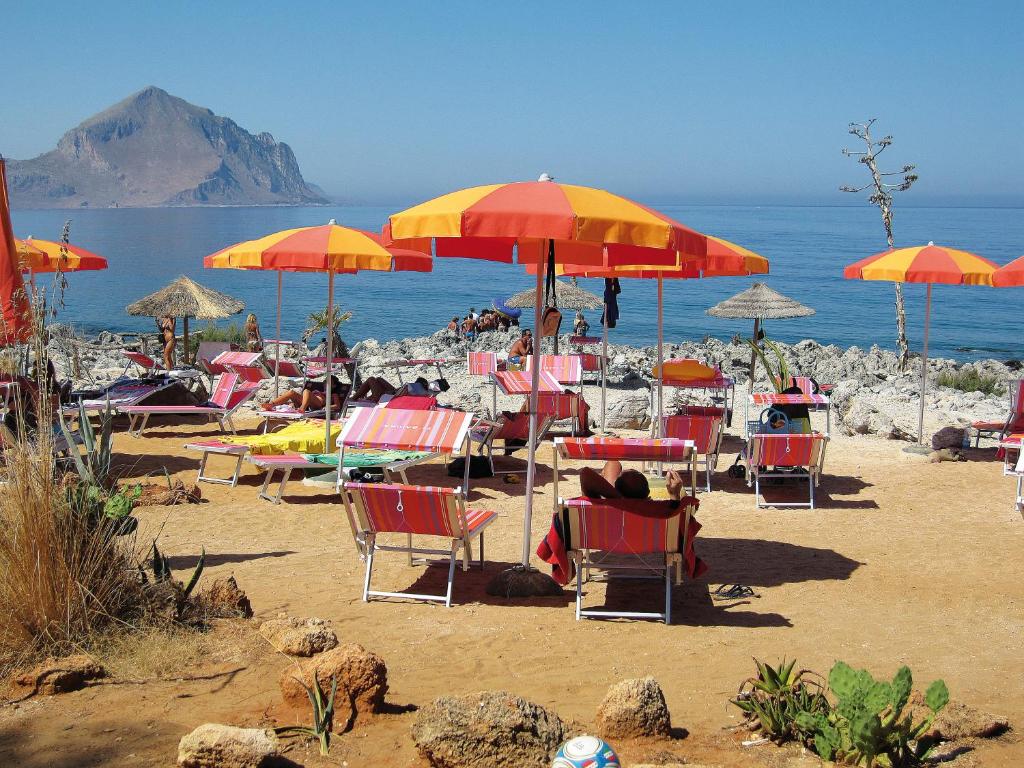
(162, 587)
(773, 701)
(323, 714)
(778, 370)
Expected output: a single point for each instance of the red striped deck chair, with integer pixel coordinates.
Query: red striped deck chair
(664, 450)
(562, 406)
(415, 510)
(514, 433)
(146, 364)
(706, 434)
(484, 364)
(229, 394)
(567, 369)
(597, 529)
(686, 373)
(239, 359)
(778, 455)
(1014, 421)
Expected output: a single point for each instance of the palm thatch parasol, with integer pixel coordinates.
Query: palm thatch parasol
(567, 296)
(186, 298)
(757, 303)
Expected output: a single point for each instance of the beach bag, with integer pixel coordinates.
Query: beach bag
(551, 320)
(479, 467)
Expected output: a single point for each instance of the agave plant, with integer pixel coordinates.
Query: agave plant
(323, 714)
(773, 701)
(778, 372)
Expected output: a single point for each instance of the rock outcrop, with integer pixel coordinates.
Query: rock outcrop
(299, 637)
(632, 709)
(492, 729)
(55, 676)
(154, 149)
(212, 745)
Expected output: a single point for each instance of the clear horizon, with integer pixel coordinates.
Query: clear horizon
(740, 104)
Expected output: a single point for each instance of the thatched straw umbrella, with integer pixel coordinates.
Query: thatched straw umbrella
(567, 296)
(757, 303)
(186, 298)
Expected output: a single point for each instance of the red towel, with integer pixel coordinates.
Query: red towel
(552, 548)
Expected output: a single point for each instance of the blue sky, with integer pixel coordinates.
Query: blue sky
(390, 102)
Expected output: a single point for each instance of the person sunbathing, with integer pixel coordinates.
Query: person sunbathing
(312, 396)
(613, 482)
(522, 347)
(377, 389)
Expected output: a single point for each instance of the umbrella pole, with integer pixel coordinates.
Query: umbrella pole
(185, 360)
(531, 466)
(604, 368)
(277, 353)
(924, 365)
(330, 361)
(753, 354)
(661, 353)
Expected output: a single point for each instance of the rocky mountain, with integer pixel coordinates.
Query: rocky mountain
(154, 149)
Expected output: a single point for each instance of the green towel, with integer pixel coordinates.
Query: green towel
(364, 458)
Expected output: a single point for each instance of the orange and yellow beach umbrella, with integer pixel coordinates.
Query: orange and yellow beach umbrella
(329, 248)
(47, 256)
(927, 264)
(1010, 275)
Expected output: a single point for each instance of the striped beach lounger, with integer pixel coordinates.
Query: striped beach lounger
(706, 434)
(484, 364)
(567, 369)
(414, 510)
(146, 364)
(686, 373)
(816, 401)
(598, 529)
(228, 396)
(1014, 421)
(778, 455)
(521, 382)
(664, 450)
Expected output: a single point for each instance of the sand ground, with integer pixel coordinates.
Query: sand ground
(904, 562)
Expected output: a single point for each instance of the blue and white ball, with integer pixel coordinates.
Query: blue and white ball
(585, 752)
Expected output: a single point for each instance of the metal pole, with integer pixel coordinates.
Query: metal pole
(924, 365)
(604, 368)
(277, 354)
(531, 465)
(330, 361)
(753, 354)
(661, 352)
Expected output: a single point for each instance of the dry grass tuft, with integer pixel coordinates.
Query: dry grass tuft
(63, 579)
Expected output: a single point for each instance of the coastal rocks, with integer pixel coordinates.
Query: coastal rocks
(491, 729)
(634, 708)
(948, 437)
(629, 409)
(362, 683)
(299, 637)
(223, 599)
(223, 746)
(54, 676)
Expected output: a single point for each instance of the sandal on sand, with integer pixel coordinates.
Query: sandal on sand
(733, 592)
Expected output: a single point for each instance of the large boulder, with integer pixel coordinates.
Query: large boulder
(224, 599)
(55, 676)
(630, 409)
(634, 708)
(362, 683)
(299, 637)
(948, 437)
(491, 729)
(223, 746)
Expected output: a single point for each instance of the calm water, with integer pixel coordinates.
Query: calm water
(807, 247)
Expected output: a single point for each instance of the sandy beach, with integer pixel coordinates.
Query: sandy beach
(904, 562)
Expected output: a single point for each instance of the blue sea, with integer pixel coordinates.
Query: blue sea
(807, 248)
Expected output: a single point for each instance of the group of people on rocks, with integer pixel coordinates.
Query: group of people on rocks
(473, 324)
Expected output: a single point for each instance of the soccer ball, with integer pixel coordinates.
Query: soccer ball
(585, 752)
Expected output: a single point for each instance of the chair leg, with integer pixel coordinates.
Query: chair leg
(370, 546)
(579, 585)
(810, 482)
(757, 491)
(451, 574)
(668, 591)
(482, 548)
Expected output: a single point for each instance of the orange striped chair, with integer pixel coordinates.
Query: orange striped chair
(601, 528)
(567, 369)
(484, 364)
(229, 394)
(1014, 421)
(779, 455)
(706, 434)
(377, 509)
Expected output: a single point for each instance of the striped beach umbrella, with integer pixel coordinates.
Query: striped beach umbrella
(329, 248)
(542, 222)
(927, 264)
(1011, 275)
(47, 256)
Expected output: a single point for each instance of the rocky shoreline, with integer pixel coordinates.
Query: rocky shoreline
(870, 396)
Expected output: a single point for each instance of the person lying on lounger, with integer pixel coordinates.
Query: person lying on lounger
(613, 482)
(375, 389)
(312, 396)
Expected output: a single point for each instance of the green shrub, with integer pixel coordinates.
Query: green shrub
(970, 380)
(233, 333)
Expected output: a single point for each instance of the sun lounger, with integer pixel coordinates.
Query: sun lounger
(521, 382)
(566, 369)
(1018, 470)
(228, 396)
(118, 395)
(442, 432)
(767, 399)
(663, 450)
(1014, 422)
(684, 373)
(218, 448)
(146, 364)
(415, 510)
(705, 432)
(603, 533)
(484, 364)
(793, 457)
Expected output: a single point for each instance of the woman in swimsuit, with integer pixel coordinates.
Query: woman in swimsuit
(166, 325)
